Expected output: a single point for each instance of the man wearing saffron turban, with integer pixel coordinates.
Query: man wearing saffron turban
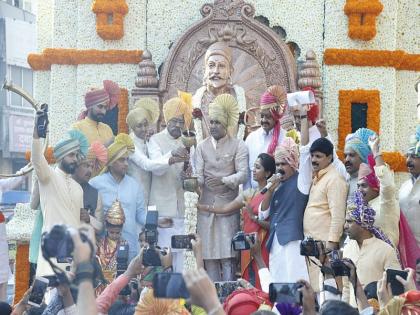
(166, 191)
(266, 138)
(98, 102)
(221, 166)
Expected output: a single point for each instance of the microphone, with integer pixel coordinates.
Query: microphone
(268, 186)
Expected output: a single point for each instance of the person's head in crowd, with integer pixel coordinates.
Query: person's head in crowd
(321, 154)
(367, 182)
(356, 149)
(413, 154)
(224, 115)
(70, 150)
(177, 112)
(144, 114)
(99, 101)
(5, 308)
(118, 153)
(287, 158)
(148, 304)
(90, 166)
(334, 307)
(114, 221)
(418, 272)
(272, 106)
(121, 308)
(264, 167)
(360, 219)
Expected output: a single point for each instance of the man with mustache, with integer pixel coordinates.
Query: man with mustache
(166, 191)
(266, 138)
(61, 197)
(376, 184)
(409, 194)
(285, 203)
(218, 69)
(356, 151)
(115, 185)
(96, 158)
(221, 166)
(98, 102)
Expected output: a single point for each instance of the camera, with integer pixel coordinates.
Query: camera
(337, 265)
(239, 241)
(309, 247)
(285, 293)
(57, 243)
(122, 265)
(42, 121)
(150, 229)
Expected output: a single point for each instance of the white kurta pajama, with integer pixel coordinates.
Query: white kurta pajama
(166, 192)
(226, 159)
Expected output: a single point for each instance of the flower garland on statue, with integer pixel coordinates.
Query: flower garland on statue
(190, 223)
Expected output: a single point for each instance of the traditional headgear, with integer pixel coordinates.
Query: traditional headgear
(109, 95)
(367, 172)
(359, 142)
(145, 108)
(98, 154)
(288, 150)
(122, 146)
(415, 143)
(225, 109)
(115, 215)
(274, 99)
(322, 145)
(74, 141)
(219, 48)
(364, 215)
(179, 106)
(148, 304)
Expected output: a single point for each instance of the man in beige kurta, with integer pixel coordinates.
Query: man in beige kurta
(221, 166)
(61, 197)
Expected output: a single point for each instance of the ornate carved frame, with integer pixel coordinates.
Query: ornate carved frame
(231, 21)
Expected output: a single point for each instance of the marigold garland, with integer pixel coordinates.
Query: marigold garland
(366, 11)
(397, 59)
(21, 271)
(64, 56)
(103, 8)
(123, 111)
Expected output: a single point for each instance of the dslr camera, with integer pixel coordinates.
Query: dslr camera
(309, 247)
(151, 255)
(57, 243)
(337, 265)
(239, 241)
(122, 265)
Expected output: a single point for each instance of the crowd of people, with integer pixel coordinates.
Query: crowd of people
(336, 229)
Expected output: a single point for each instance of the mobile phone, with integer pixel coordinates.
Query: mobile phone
(38, 291)
(167, 285)
(285, 293)
(225, 288)
(396, 287)
(182, 241)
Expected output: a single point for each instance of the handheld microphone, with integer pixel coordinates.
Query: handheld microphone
(268, 186)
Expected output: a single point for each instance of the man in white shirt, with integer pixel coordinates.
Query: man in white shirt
(266, 138)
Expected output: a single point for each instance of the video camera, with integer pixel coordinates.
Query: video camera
(309, 247)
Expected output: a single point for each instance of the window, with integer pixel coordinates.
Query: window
(23, 78)
(17, 164)
(17, 3)
(358, 116)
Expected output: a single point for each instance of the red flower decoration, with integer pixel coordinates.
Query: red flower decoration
(197, 113)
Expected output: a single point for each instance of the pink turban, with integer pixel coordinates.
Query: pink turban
(367, 172)
(109, 95)
(288, 150)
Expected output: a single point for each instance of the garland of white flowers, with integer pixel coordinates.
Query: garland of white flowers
(20, 226)
(190, 225)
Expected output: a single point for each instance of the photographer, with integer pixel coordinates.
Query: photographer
(61, 197)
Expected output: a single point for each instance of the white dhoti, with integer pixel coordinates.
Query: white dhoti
(164, 240)
(285, 262)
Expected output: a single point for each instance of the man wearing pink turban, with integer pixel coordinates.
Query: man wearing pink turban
(266, 138)
(98, 102)
(285, 203)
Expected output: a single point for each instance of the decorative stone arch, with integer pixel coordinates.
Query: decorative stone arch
(260, 57)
